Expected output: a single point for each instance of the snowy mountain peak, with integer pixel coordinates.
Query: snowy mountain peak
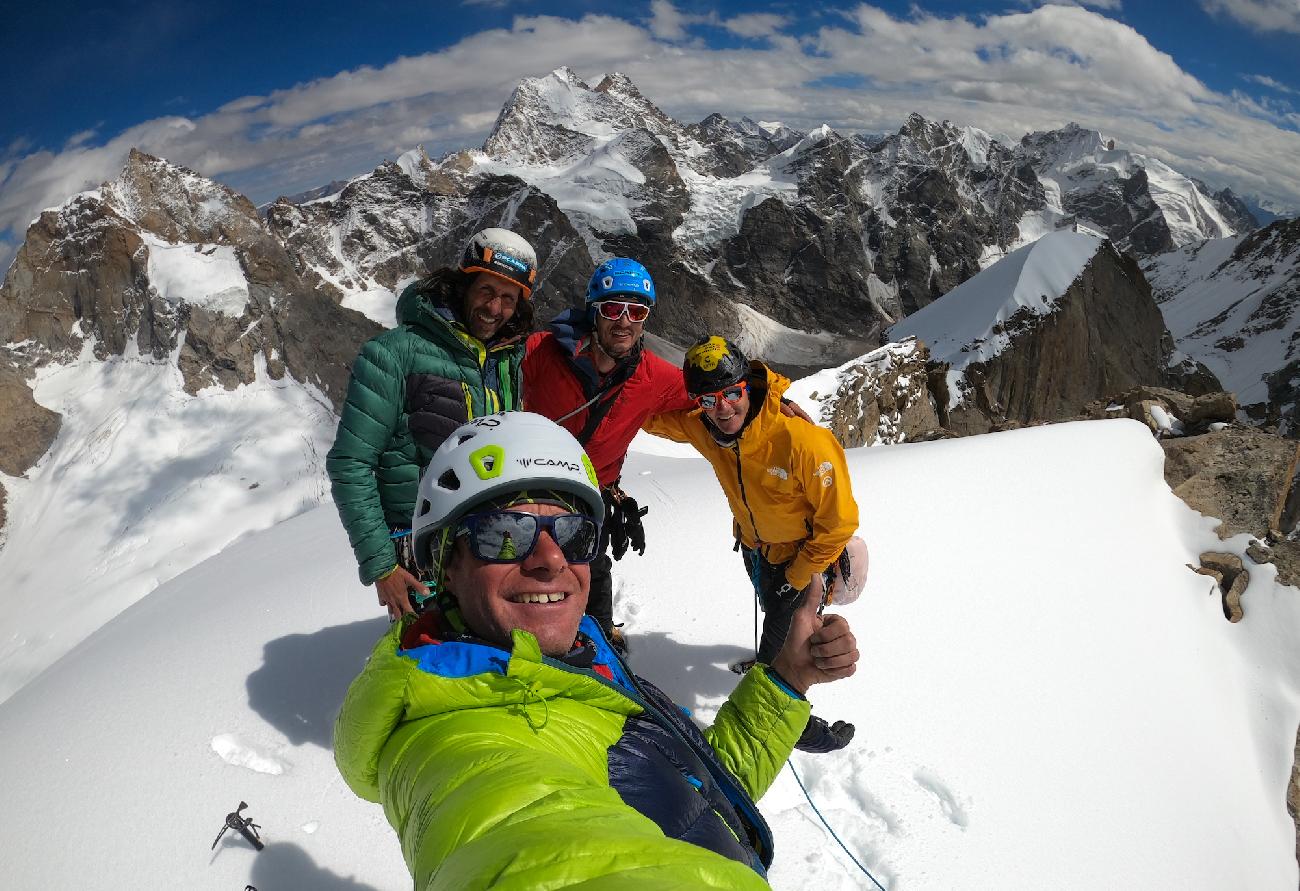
(1139, 201)
(178, 204)
(559, 117)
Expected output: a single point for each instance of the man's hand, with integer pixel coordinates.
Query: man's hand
(818, 649)
(392, 590)
(791, 409)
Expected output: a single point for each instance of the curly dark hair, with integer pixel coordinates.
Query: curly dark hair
(447, 287)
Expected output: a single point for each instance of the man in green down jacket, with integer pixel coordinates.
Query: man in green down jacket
(454, 355)
(507, 741)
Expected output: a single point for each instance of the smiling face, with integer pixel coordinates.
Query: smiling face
(729, 417)
(490, 302)
(617, 337)
(543, 594)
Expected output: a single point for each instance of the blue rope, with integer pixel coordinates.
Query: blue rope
(865, 871)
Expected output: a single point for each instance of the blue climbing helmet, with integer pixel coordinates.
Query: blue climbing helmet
(621, 277)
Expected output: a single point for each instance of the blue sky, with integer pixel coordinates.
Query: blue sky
(275, 98)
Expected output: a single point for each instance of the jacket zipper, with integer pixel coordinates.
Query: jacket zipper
(738, 797)
(740, 477)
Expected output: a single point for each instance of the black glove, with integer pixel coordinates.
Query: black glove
(632, 523)
(614, 526)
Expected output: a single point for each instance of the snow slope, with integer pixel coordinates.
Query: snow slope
(1048, 696)
(143, 482)
(1237, 314)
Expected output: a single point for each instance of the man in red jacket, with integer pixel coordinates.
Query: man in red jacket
(591, 373)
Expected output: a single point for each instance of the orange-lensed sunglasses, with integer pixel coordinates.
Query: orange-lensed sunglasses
(731, 394)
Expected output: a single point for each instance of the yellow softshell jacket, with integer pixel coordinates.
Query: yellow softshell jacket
(786, 481)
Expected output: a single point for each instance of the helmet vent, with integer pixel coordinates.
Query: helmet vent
(424, 507)
(464, 438)
(449, 481)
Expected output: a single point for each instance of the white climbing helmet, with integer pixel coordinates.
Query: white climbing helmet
(504, 254)
(493, 456)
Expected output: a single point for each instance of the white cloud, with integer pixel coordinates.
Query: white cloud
(1009, 73)
(1266, 81)
(1092, 4)
(756, 24)
(1262, 15)
(666, 22)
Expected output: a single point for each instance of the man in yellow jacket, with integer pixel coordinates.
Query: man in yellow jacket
(787, 484)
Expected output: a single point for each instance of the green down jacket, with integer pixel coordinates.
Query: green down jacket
(498, 773)
(410, 388)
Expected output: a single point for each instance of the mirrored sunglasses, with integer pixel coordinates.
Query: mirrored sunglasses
(614, 310)
(731, 394)
(505, 536)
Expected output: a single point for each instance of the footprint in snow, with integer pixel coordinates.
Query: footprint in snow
(947, 801)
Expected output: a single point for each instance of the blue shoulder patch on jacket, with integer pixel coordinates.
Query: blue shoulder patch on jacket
(458, 660)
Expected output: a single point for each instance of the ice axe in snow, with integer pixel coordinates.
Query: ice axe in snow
(243, 825)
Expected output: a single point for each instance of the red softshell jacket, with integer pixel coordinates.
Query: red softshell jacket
(552, 388)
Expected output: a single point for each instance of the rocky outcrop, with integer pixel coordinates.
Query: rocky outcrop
(1246, 479)
(1230, 576)
(880, 398)
(1293, 795)
(1168, 412)
(26, 428)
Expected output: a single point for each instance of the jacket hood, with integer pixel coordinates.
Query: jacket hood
(570, 328)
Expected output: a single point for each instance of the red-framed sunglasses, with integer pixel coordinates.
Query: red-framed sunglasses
(731, 394)
(614, 310)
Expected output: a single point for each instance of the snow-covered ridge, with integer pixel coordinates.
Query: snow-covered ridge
(966, 324)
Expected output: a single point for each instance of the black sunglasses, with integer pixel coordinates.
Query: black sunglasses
(505, 536)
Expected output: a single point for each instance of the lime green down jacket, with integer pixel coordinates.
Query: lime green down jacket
(498, 778)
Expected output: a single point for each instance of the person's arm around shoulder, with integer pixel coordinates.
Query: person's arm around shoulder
(674, 425)
(673, 414)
